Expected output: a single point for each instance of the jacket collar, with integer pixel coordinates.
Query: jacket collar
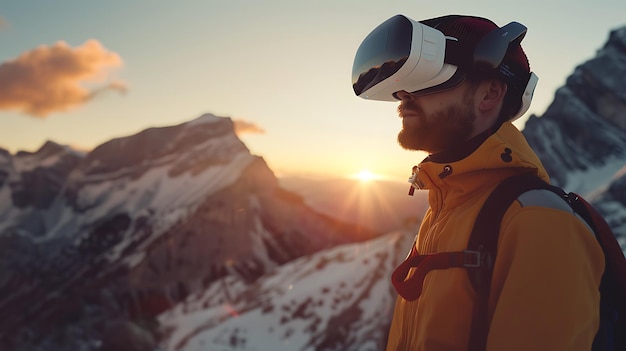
(483, 161)
(462, 151)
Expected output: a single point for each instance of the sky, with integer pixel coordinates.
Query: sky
(81, 73)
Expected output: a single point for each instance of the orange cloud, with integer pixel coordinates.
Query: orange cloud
(243, 127)
(56, 78)
(3, 23)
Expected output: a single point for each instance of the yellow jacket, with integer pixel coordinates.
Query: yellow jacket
(544, 291)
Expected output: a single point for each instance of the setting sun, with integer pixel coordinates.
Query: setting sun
(365, 176)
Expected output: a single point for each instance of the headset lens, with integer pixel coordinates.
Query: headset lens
(382, 53)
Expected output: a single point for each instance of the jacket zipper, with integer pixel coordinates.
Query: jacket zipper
(428, 237)
(409, 328)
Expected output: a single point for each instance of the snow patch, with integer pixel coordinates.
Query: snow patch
(595, 180)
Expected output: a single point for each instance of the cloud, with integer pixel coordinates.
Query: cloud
(245, 127)
(56, 78)
(3, 23)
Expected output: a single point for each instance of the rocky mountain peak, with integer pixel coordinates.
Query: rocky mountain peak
(584, 129)
(203, 141)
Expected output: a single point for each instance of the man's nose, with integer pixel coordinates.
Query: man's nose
(403, 95)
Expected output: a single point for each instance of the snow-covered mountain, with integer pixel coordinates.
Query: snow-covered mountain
(178, 238)
(123, 233)
(581, 138)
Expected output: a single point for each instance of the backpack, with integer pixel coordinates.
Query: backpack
(481, 251)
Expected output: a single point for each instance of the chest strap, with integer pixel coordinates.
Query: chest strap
(409, 286)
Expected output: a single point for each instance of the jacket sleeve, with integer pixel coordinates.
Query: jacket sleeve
(544, 293)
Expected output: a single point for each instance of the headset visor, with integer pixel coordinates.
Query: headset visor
(382, 53)
(400, 54)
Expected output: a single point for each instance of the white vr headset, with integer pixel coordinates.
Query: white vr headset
(403, 54)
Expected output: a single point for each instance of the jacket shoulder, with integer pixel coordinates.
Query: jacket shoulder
(543, 198)
(547, 199)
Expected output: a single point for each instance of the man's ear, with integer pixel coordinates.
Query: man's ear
(491, 94)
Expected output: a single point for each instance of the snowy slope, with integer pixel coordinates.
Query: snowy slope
(338, 299)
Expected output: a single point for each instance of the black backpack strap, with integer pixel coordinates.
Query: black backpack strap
(611, 335)
(484, 240)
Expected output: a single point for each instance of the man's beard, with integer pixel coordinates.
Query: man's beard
(437, 132)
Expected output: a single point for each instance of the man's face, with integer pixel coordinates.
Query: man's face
(436, 122)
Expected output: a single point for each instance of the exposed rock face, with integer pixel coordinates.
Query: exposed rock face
(42, 176)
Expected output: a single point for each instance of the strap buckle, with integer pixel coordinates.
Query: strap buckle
(471, 259)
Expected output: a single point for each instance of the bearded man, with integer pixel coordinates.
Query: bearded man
(461, 81)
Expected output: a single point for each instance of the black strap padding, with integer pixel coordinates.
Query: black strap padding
(484, 238)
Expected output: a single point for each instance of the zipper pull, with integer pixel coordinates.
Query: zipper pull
(416, 183)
